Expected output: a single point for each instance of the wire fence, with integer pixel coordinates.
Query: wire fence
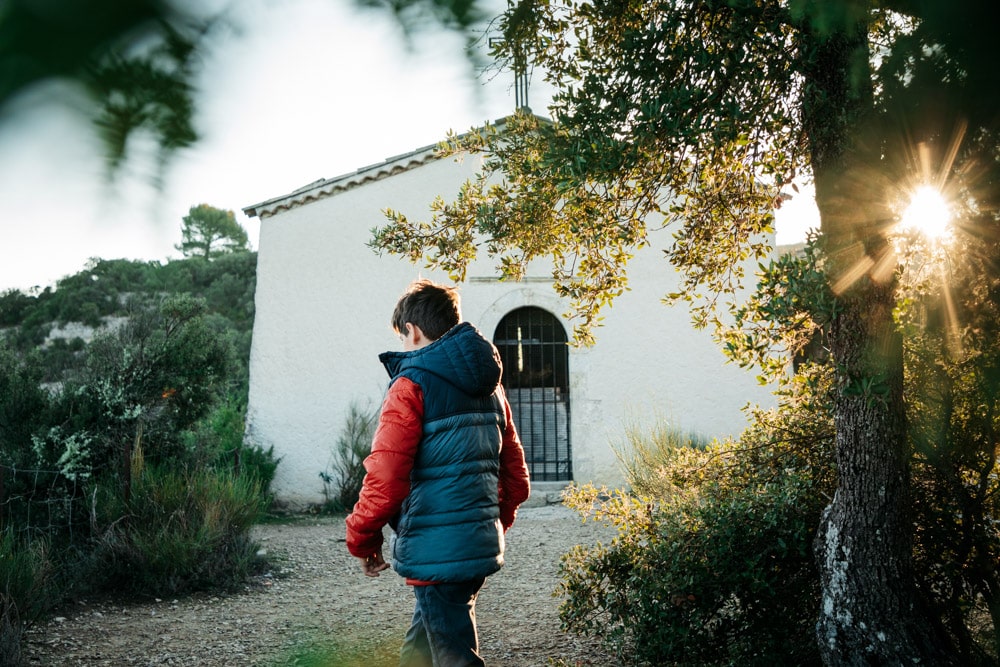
(39, 502)
(36, 502)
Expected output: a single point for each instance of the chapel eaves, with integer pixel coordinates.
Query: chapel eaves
(326, 187)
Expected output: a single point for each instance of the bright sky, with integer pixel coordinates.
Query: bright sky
(298, 91)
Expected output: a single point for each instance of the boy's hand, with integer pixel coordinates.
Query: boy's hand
(373, 564)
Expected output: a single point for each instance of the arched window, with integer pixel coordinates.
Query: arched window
(533, 346)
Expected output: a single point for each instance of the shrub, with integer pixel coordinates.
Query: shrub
(953, 394)
(343, 478)
(259, 465)
(217, 441)
(698, 580)
(648, 455)
(23, 405)
(26, 590)
(154, 384)
(178, 531)
(712, 562)
(150, 379)
(13, 306)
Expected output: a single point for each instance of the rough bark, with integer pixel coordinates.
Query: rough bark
(871, 612)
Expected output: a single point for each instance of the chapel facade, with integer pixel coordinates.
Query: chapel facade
(323, 304)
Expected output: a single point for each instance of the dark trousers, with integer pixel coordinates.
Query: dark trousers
(443, 632)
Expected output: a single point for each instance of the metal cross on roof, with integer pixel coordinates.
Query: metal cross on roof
(521, 77)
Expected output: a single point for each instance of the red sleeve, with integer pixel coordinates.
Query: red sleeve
(515, 485)
(387, 478)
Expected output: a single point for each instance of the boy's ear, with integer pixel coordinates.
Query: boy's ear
(415, 337)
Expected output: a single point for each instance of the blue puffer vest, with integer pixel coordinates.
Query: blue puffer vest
(449, 528)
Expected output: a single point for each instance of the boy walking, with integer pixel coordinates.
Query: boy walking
(446, 472)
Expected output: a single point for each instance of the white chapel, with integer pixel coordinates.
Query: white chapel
(323, 303)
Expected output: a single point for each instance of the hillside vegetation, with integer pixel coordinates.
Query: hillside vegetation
(122, 463)
(58, 321)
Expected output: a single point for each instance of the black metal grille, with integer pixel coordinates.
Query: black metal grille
(533, 346)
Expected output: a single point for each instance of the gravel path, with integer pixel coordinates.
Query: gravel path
(317, 609)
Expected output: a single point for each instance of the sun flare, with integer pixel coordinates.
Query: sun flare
(927, 213)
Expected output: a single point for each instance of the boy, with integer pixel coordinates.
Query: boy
(446, 472)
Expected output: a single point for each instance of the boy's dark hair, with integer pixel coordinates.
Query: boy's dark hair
(432, 307)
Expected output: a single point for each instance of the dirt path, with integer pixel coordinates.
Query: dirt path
(318, 610)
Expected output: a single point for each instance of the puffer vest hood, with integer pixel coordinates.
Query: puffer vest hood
(449, 528)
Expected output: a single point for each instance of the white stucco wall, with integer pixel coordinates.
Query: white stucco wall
(323, 304)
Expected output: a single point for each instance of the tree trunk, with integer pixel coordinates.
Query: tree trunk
(993, 603)
(870, 612)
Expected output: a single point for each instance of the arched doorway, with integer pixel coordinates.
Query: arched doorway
(535, 354)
